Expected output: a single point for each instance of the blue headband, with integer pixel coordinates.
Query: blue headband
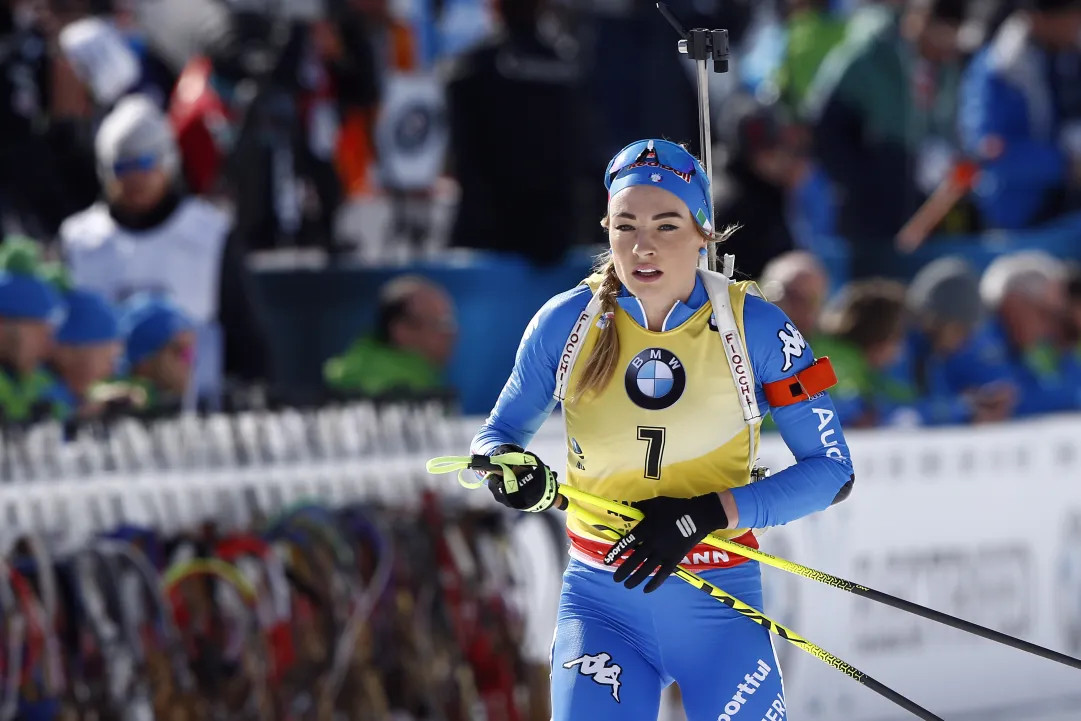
(666, 165)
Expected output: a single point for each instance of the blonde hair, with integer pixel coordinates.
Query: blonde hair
(601, 363)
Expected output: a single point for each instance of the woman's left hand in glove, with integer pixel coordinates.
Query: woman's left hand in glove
(670, 529)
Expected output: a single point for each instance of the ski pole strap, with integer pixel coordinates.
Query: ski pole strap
(480, 462)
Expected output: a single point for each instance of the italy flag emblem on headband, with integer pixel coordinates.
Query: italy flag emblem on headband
(703, 220)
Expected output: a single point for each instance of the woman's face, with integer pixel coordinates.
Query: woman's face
(655, 243)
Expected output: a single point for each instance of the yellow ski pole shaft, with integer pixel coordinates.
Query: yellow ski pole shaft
(761, 619)
(842, 584)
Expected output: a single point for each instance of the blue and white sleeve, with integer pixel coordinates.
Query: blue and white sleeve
(810, 428)
(527, 399)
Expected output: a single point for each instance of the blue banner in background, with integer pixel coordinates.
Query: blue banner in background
(318, 313)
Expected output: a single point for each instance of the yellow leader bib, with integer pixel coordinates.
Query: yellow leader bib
(669, 423)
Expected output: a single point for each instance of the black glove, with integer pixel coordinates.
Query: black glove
(537, 487)
(670, 529)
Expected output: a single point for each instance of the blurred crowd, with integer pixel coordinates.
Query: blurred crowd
(72, 352)
(857, 121)
(68, 353)
(148, 149)
(839, 118)
(952, 347)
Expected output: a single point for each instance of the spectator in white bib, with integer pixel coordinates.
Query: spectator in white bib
(148, 234)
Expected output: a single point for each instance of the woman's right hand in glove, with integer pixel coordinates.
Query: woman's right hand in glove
(534, 488)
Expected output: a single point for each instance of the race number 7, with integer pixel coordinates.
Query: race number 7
(654, 438)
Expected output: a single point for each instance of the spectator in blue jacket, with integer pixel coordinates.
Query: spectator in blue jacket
(954, 384)
(1015, 112)
(1071, 325)
(159, 347)
(1072, 331)
(86, 352)
(1026, 292)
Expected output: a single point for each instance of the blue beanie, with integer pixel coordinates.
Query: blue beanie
(26, 296)
(91, 320)
(666, 165)
(148, 324)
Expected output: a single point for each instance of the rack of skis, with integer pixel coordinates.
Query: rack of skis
(286, 564)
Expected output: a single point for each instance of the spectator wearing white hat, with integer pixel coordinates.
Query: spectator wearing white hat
(1026, 295)
(942, 356)
(148, 234)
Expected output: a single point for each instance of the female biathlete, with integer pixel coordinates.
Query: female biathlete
(648, 358)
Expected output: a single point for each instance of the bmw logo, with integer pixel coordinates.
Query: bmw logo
(655, 379)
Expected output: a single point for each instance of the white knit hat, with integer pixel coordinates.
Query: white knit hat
(136, 127)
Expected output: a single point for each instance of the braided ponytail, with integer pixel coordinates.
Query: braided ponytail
(601, 363)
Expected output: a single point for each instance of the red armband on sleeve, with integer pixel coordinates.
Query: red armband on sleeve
(810, 381)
